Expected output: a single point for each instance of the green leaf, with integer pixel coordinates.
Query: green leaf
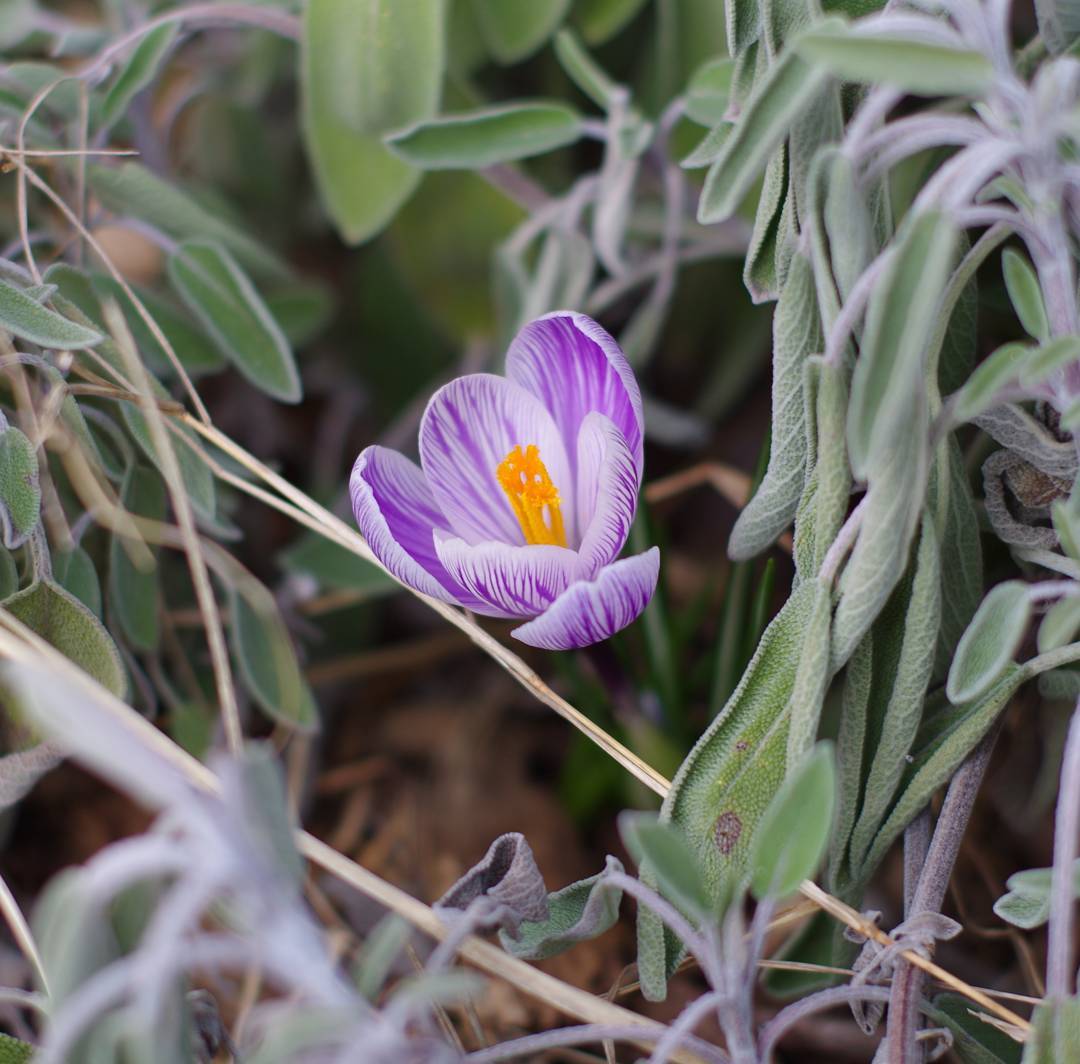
(728, 779)
(74, 571)
(134, 592)
(905, 641)
(9, 575)
(23, 316)
(581, 911)
(302, 311)
(776, 103)
(708, 92)
(63, 621)
(515, 29)
(790, 841)
(600, 20)
(380, 951)
(1055, 1032)
(991, 640)
(912, 65)
(367, 67)
(796, 335)
(999, 370)
(265, 654)
(140, 69)
(20, 487)
(949, 740)
(332, 565)
(133, 191)
(663, 848)
(260, 801)
(1027, 905)
(1025, 293)
(225, 301)
(1060, 625)
(1049, 358)
(974, 1040)
(474, 139)
(888, 377)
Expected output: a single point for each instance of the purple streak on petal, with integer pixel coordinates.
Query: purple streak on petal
(397, 515)
(469, 427)
(591, 610)
(607, 491)
(574, 366)
(511, 581)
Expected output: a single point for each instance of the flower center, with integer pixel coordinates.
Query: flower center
(529, 488)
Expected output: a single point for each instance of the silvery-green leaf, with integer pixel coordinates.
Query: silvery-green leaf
(14, 1051)
(65, 623)
(302, 311)
(905, 639)
(335, 567)
(1059, 23)
(899, 321)
(879, 558)
(961, 554)
(1025, 293)
(743, 20)
(914, 65)
(1027, 904)
(474, 139)
(24, 317)
(948, 742)
(581, 911)
(600, 20)
(846, 219)
(992, 638)
(367, 67)
(821, 125)
(1066, 523)
(661, 847)
(999, 370)
(74, 571)
(585, 72)
(381, 950)
(724, 785)
(138, 71)
(266, 657)
(1052, 356)
(796, 336)
(134, 593)
(20, 488)
(9, 575)
(1055, 1031)
(708, 92)
(790, 841)
(1060, 625)
(760, 266)
(132, 190)
(513, 31)
(226, 303)
(777, 101)
(850, 743)
(709, 147)
(832, 472)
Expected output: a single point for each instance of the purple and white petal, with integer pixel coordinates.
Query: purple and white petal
(607, 493)
(509, 581)
(469, 427)
(574, 366)
(592, 610)
(397, 514)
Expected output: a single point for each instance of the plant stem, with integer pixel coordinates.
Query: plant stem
(929, 893)
(1060, 964)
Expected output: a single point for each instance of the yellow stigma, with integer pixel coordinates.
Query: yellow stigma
(529, 488)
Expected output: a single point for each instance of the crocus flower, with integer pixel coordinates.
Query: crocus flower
(527, 487)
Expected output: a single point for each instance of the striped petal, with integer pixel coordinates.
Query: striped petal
(574, 366)
(607, 493)
(592, 610)
(469, 427)
(397, 515)
(508, 581)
